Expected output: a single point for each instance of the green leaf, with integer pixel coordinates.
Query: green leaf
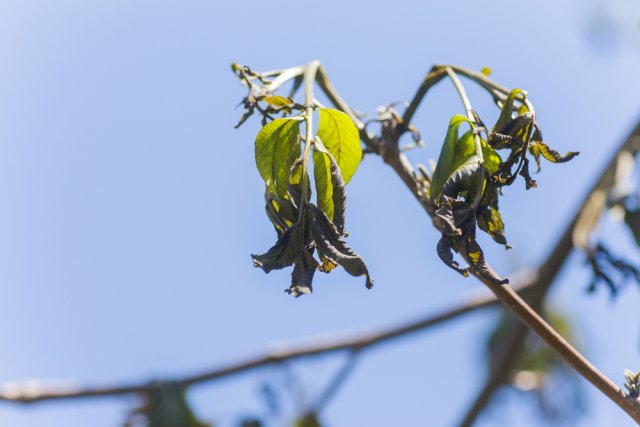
(451, 156)
(490, 156)
(330, 185)
(277, 101)
(331, 246)
(341, 138)
(277, 147)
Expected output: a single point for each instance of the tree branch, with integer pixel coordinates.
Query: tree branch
(514, 338)
(358, 342)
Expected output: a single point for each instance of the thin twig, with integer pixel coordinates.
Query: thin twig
(336, 382)
(360, 341)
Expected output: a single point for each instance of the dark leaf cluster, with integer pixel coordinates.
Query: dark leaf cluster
(470, 173)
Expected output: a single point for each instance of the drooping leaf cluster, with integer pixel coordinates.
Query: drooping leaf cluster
(311, 236)
(466, 184)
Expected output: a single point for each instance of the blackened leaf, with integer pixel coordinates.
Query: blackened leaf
(294, 187)
(277, 147)
(341, 138)
(632, 219)
(446, 255)
(283, 253)
(330, 245)
(445, 166)
(472, 252)
(272, 208)
(302, 276)
(330, 185)
(524, 172)
(454, 214)
(467, 178)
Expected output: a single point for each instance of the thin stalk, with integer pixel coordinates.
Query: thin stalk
(309, 77)
(285, 76)
(476, 138)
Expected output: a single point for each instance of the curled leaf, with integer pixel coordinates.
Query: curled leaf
(472, 252)
(330, 245)
(330, 185)
(302, 276)
(283, 253)
(445, 252)
(540, 149)
(489, 219)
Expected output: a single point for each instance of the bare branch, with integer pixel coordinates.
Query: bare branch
(514, 338)
(361, 341)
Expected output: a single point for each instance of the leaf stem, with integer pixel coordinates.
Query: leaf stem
(476, 138)
(309, 77)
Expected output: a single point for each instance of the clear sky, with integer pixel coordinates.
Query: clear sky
(130, 205)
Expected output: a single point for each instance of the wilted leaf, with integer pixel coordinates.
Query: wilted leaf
(277, 147)
(458, 234)
(341, 138)
(283, 253)
(294, 187)
(472, 252)
(330, 186)
(330, 245)
(632, 219)
(302, 276)
(445, 252)
(506, 114)
(539, 148)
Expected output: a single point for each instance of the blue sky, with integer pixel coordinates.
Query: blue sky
(130, 205)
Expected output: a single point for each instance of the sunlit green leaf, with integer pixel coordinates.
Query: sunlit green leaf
(452, 156)
(277, 147)
(341, 138)
(277, 101)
